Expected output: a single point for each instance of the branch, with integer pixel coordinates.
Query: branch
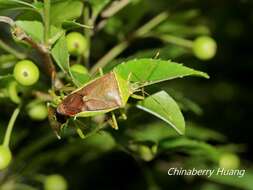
(119, 48)
(114, 7)
(50, 68)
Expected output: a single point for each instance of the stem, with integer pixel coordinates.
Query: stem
(118, 49)
(7, 20)
(10, 127)
(114, 8)
(151, 24)
(11, 50)
(87, 21)
(176, 40)
(114, 52)
(47, 5)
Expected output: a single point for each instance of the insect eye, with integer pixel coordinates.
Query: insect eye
(85, 98)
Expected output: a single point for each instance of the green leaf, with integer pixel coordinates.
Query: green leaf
(69, 25)
(151, 71)
(79, 79)
(61, 55)
(190, 146)
(152, 132)
(34, 29)
(204, 134)
(65, 10)
(164, 107)
(15, 4)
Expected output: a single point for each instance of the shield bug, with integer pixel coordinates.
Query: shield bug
(102, 95)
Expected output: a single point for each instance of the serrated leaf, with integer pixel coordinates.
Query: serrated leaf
(61, 55)
(151, 71)
(164, 107)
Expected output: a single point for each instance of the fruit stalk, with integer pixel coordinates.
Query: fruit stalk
(10, 127)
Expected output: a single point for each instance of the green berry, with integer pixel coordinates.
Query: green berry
(204, 47)
(5, 157)
(76, 43)
(26, 73)
(78, 68)
(38, 112)
(229, 161)
(55, 182)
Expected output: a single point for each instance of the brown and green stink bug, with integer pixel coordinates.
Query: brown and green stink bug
(112, 90)
(102, 95)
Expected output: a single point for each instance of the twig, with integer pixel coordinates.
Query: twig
(151, 24)
(87, 21)
(42, 49)
(119, 48)
(46, 18)
(21, 35)
(115, 7)
(7, 20)
(175, 40)
(114, 52)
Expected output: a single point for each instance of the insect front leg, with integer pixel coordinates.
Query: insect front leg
(55, 125)
(139, 97)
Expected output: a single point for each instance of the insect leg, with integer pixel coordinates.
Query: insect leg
(138, 97)
(55, 125)
(101, 72)
(123, 114)
(113, 122)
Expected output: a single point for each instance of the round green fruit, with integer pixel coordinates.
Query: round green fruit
(26, 73)
(5, 157)
(78, 68)
(229, 161)
(38, 112)
(76, 43)
(204, 47)
(55, 182)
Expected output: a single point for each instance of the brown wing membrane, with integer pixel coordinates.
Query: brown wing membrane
(100, 94)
